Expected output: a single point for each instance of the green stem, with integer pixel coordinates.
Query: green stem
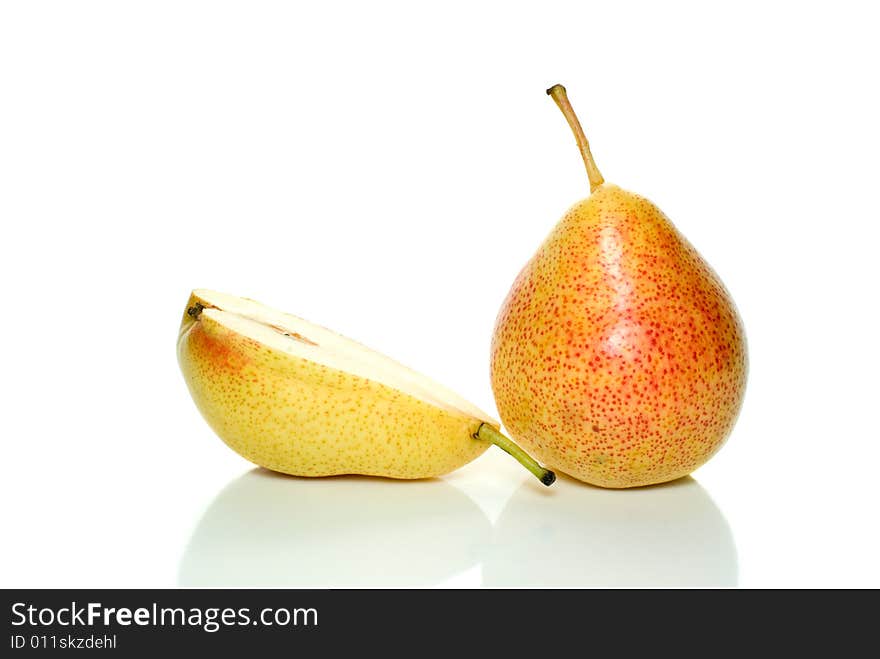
(488, 434)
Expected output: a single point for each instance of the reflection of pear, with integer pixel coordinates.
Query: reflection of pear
(264, 529)
(667, 535)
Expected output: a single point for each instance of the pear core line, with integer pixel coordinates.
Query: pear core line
(195, 311)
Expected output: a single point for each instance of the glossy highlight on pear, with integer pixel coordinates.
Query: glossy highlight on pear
(618, 356)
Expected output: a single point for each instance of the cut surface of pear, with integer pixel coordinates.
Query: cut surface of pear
(296, 337)
(300, 399)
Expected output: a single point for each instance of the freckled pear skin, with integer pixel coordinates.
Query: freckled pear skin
(256, 377)
(618, 356)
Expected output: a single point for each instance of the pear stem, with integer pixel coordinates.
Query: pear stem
(558, 94)
(488, 434)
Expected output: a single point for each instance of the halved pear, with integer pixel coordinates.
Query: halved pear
(300, 399)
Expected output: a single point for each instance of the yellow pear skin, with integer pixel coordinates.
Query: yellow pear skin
(269, 400)
(618, 356)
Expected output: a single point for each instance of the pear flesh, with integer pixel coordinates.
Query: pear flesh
(300, 399)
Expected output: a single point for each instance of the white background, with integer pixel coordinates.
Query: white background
(385, 169)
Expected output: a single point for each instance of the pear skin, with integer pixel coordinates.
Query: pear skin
(618, 355)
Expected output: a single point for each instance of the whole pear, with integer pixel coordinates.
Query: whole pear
(618, 356)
